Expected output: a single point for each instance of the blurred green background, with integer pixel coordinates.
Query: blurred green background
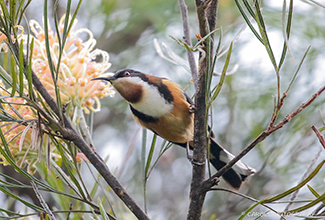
(126, 29)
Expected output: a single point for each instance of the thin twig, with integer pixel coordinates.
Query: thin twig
(244, 196)
(42, 201)
(187, 39)
(319, 136)
(318, 209)
(277, 110)
(209, 183)
(309, 169)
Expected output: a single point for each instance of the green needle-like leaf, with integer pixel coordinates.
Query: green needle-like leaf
(13, 76)
(248, 22)
(21, 68)
(152, 148)
(286, 32)
(265, 39)
(296, 73)
(223, 76)
(304, 182)
(307, 206)
(252, 207)
(143, 151)
(25, 202)
(313, 191)
(29, 71)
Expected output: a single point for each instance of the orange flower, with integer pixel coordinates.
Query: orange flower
(22, 135)
(78, 65)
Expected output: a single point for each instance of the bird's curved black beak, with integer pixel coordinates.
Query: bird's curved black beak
(110, 78)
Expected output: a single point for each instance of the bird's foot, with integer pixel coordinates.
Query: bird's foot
(190, 157)
(194, 162)
(192, 108)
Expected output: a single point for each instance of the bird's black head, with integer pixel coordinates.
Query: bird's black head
(129, 83)
(132, 84)
(123, 74)
(128, 73)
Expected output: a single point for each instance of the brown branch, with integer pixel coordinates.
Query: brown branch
(197, 192)
(210, 182)
(69, 133)
(102, 168)
(277, 110)
(187, 39)
(319, 136)
(197, 196)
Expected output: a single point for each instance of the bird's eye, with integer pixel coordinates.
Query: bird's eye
(126, 74)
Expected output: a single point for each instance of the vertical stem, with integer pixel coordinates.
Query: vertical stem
(206, 12)
(187, 39)
(212, 20)
(197, 196)
(143, 167)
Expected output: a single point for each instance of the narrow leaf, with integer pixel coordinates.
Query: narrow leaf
(249, 8)
(313, 191)
(248, 22)
(13, 76)
(265, 39)
(102, 210)
(281, 195)
(252, 207)
(307, 206)
(29, 71)
(5, 76)
(143, 151)
(14, 196)
(164, 147)
(296, 73)
(70, 168)
(223, 76)
(21, 69)
(152, 148)
(286, 32)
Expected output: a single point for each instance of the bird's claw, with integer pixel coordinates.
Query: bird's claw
(192, 108)
(194, 162)
(190, 157)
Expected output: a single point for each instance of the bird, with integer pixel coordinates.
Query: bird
(161, 106)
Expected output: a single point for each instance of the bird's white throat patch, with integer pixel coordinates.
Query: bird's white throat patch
(152, 103)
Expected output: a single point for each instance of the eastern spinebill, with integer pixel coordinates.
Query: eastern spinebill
(163, 107)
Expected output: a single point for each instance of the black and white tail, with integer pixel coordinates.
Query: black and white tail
(219, 157)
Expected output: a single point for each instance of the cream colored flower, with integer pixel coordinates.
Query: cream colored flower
(79, 63)
(21, 136)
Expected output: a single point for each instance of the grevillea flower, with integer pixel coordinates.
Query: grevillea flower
(78, 65)
(3, 37)
(3, 45)
(21, 133)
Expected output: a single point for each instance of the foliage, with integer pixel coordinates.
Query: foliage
(65, 61)
(29, 130)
